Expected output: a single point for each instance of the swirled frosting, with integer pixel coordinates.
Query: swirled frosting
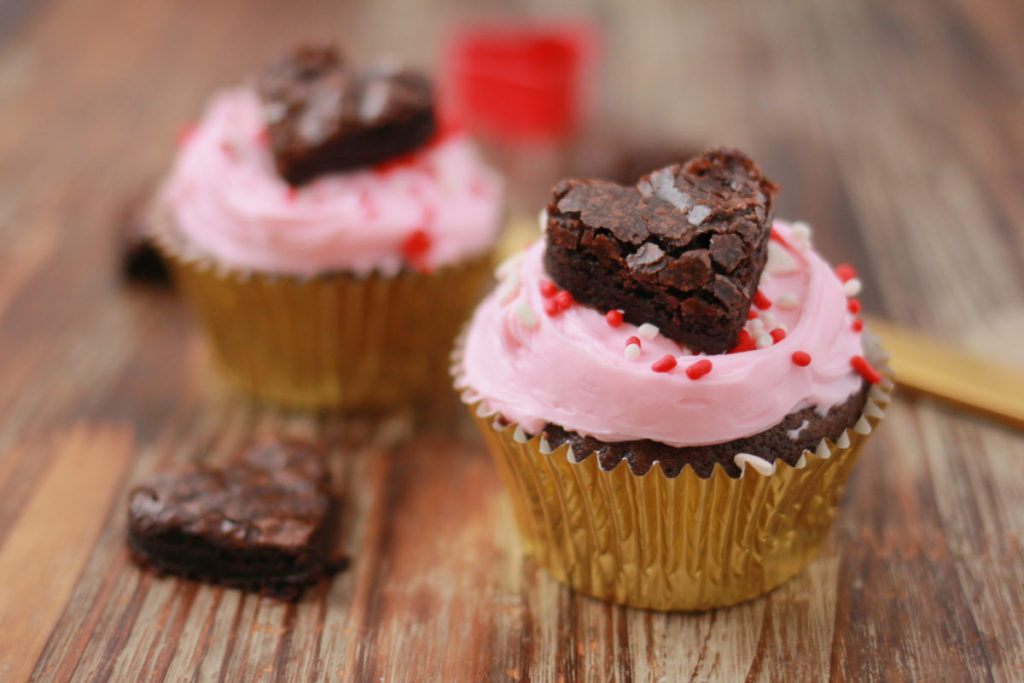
(225, 200)
(570, 368)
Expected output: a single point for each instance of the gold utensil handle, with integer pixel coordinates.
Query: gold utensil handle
(922, 365)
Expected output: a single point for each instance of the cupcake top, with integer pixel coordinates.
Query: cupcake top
(373, 186)
(536, 355)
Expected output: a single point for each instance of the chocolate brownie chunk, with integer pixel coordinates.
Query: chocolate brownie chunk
(786, 441)
(323, 117)
(263, 523)
(683, 249)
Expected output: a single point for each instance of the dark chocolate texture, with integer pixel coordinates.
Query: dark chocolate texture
(772, 444)
(683, 249)
(323, 116)
(262, 523)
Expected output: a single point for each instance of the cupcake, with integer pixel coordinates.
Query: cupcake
(674, 387)
(329, 235)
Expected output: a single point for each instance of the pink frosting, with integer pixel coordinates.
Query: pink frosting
(226, 200)
(570, 368)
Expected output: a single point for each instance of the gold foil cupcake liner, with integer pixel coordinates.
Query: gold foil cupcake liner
(681, 543)
(331, 341)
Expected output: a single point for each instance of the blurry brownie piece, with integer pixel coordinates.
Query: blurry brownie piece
(323, 116)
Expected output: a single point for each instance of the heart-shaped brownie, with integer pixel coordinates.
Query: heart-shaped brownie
(683, 249)
(263, 522)
(322, 116)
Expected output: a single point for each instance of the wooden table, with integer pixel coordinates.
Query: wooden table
(896, 128)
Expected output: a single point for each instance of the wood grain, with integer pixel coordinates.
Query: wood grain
(896, 129)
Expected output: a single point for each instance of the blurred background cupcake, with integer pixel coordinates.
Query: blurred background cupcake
(328, 231)
(674, 387)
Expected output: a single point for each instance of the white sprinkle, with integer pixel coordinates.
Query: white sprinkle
(525, 313)
(756, 327)
(644, 188)
(764, 341)
(787, 301)
(760, 465)
(664, 185)
(542, 220)
(699, 214)
(768, 319)
(801, 231)
(509, 288)
(844, 440)
(647, 331)
(823, 451)
(632, 352)
(782, 326)
(852, 287)
(780, 261)
(507, 267)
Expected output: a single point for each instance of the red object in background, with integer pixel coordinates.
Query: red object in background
(518, 81)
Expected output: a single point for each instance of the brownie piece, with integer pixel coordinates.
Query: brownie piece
(323, 116)
(785, 441)
(683, 249)
(262, 523)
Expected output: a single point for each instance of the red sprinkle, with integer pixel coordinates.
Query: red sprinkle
(416, 245)
(186, 133)
(761, 301)
(665, 363)
(844, 271)
(853, 306)
(862, 366)
(801, 358)
(548, 289)
(292, 193)
(744, 342)
(778, 334)
(698, 369)
(634, 340)
(613, 317)
(857, 325)
(751, 314)
(563, 299)
(551, 308)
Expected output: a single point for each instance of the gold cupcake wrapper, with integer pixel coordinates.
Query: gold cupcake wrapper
(330, 341)
(681, 543)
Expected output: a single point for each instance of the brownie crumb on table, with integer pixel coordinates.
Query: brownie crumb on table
(264, 522)
(683, 249)
(324, 116)
(799, 431)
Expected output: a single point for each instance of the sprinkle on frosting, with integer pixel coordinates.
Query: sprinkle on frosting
(863, 367)
(763, 341)
(744, 343)
(613, 317)
(648, 331)
(548, 289)
(698, 369)
(761, 301)
(787, 301)
(664, 364)
(853, 306)
(778, 334)
(801, 358)
(852, 287)
(857, 325)
(845, 272)
(632, 350)
(525, 313)
(563, 300)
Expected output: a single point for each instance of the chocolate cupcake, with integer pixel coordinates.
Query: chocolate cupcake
(674, 386)
(329, 234)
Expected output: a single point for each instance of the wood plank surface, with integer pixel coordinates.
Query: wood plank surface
(896, 129)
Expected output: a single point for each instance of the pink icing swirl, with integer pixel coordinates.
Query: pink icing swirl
(226, 200)
(570, 368)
